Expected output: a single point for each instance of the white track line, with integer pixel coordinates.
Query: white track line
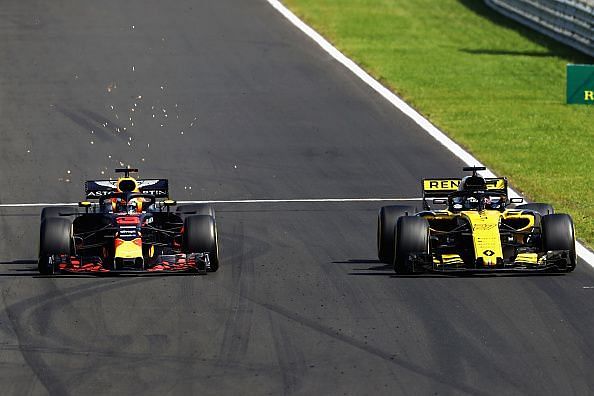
(37, 205)
(235, 201)
(322, 200)
(431, 129)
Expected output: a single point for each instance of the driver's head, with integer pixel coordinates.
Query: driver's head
(135, 205)
(471, 203)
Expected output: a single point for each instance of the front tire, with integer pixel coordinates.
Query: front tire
(196, 209)
(412, 236)
(55, 239)
(558, 233)
(542, 208)
(386, 223)
(65, 212)
(200, 236)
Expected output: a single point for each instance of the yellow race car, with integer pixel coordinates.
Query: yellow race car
(475, 229)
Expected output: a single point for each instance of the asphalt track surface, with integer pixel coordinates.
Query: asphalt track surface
(300, 304)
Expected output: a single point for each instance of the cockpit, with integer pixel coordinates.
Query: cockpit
(472, 192)
(476, 201)
(130, 203)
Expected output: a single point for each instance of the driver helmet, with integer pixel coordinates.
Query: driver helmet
(471, 203)
(135, 205)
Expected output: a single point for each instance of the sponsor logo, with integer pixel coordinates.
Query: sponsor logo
(100, 188)
(127, 235)
(446, 184)
(158, 192)
(453, 184)
(495, 184)
(580, 84)
(146, 183)
(484, 227)
(488, 253)
(98, 194)
(127, 230)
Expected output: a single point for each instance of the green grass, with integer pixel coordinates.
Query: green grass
(495, 87)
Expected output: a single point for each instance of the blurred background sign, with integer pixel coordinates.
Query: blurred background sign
(580, 84)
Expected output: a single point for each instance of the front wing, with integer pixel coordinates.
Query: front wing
(552, 261)
(170, 263)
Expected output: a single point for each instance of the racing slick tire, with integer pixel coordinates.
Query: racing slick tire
(200, 236)
(412, 236)
(386, 225)
(558, 233)
(542, 208)
(58, 211)
(196, 209)
(55, 238)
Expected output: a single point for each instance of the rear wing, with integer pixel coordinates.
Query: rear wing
(442, 188)
(99, 188)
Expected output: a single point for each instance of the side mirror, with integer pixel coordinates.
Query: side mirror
(85, 204)
(440, 201)
(168, 203)
(516, 200)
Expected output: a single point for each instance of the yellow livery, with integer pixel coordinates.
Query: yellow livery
(471, 224)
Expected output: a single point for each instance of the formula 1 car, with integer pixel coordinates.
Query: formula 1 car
(477, 231)
(128, 230)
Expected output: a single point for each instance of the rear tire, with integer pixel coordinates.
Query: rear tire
(412, 236)
(200, 236)
(558, 234)
(55, 238)
(386, 223)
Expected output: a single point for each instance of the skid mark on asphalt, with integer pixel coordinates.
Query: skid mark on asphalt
(285, 356)
(113, 127)
(570, 337)
(460, 342)
(232, 348)
(16, 314)
(357, 301)
(238, 325)
(119, 355)
(290, 358)
(32, 313)
(361, 345)
(89, 125)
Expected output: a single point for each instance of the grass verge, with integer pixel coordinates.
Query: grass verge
(494, 86)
